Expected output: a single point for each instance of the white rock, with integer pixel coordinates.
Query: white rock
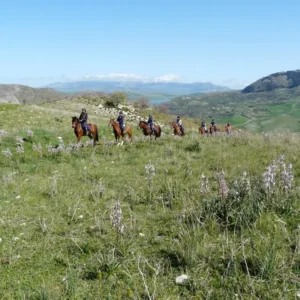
(181, 279)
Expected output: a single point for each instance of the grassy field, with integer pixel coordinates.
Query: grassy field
(110, 222)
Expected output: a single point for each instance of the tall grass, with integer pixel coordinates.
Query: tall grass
(123, 222)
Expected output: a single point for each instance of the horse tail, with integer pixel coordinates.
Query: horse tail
(158, 131)
(96, 135)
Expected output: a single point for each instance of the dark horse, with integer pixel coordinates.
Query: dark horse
(213, 129)
(147, 131)
(117, 131)
(202, 131)
(177, 130)
(92, 133)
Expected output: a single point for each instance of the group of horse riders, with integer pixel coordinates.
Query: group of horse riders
(84, 117)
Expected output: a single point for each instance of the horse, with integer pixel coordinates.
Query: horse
(213, 129)
(202, 131)
(228, 128)
(117, 131)
(177, 130)
(92, 131)
(147, 131)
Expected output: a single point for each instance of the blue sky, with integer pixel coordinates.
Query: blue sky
(225, 42)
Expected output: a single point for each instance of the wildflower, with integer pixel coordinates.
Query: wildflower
(150, 171)
(65, 278)
(19, 140)
(181, 279)
(246, 181)
(287, 177)
(1, 240)
(204, 187)
(117, 217)
(269, 177)
(29, 133)
(223, 188)
(37, 148)
(80, 217)
(141, 234)
(3, 133)
(7, 152)
(18, 197)
(89, 143)
(15, 238)
(20, 149)
(61, 142)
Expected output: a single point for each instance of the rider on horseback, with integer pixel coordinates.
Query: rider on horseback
(83, 120)
(179, 123)
(213, 123)
(203, 124)
(151, 123)
(120, 120)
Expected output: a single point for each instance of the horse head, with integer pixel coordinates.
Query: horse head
(111, 122)
(74, 122)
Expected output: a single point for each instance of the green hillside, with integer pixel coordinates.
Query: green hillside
(127, 222)
(265, 111)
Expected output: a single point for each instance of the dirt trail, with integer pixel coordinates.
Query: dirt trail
(243, 123)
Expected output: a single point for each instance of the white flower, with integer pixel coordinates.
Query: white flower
(141, 234)
(15, 238)
(181, 279)
(1, 240)
(64, 278)
(18, 197)
(80, 217)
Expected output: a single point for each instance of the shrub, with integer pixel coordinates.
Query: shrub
(114, 99)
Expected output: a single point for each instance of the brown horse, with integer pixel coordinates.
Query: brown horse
(92, 133)
(118, 133)
(177, 130)
(228, 128)
(202, 131)
(213, 129)
(147, 131)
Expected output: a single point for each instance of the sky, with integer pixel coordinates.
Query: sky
(230, 42)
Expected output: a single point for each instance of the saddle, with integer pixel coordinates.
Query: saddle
(88, 126)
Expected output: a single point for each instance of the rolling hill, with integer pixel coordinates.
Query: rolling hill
(21, 94)
(263, 111)
(289, 79)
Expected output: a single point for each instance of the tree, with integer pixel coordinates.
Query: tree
(143, 102)
(114, 99)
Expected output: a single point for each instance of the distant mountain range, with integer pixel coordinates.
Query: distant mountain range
(289, 79)
(143, 88)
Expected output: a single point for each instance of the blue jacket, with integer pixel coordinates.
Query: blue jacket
(150, 121)
(120, 120)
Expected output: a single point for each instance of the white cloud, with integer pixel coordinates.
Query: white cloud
(133, 77)
(115, 77)
(168, 78)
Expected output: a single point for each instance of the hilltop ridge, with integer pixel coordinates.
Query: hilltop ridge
(289, 79)
(22, 94)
